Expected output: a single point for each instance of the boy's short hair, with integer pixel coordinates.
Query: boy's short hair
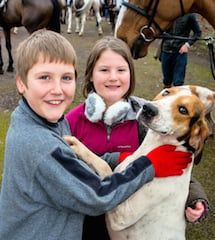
(50, 45)
(116, 45)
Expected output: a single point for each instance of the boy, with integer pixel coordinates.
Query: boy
(46, 190)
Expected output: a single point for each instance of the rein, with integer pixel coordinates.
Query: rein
(212, 58)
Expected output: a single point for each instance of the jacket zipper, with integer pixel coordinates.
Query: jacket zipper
(109, 130)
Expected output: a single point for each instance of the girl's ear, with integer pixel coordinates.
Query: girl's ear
(20, 85)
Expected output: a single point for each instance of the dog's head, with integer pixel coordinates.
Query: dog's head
(178, 115)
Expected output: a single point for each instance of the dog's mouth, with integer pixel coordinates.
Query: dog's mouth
(148, 115)
(155, 128)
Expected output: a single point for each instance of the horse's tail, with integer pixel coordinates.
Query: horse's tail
(54, 23)
(86, 6)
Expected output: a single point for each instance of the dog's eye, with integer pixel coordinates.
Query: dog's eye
(183, 110)
(165, 93)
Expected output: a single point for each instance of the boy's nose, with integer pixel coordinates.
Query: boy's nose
(56, 87)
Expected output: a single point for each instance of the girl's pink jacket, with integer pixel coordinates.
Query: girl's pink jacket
(100, 138)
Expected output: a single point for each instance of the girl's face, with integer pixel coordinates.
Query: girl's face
(50, 88)
(111, 77)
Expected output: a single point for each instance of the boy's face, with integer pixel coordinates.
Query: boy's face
(50, 88)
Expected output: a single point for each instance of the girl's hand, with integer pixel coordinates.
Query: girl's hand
(195, 214)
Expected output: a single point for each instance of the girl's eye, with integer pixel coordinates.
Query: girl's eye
(104, 70)
(44, 77)
(121, 70)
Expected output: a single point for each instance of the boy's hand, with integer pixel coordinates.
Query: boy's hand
(91, 159)
(168, 162)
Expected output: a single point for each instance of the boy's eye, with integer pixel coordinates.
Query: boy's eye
(67, 78)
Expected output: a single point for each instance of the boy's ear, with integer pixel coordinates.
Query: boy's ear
(20, 85)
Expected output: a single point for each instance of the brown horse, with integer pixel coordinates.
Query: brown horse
(32, 14)
(140, 20)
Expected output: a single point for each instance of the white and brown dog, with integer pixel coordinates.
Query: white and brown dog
(156, 211)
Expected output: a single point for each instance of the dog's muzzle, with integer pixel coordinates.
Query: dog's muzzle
(147, 112)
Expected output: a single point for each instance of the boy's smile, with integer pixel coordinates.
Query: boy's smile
(50, 88)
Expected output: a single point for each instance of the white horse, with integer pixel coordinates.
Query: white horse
(81, 8)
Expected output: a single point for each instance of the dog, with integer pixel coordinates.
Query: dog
(156, 211)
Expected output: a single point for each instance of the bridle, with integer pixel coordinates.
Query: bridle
(148, 28)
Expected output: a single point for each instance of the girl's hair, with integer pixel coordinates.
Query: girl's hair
(47, 44)
(116, 45)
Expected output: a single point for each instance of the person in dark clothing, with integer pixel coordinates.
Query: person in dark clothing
(174, 51)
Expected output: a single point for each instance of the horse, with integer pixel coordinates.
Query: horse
(81, 8)
(31, 14)
(139, 21)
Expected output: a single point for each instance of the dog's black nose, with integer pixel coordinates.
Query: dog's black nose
(149, 111)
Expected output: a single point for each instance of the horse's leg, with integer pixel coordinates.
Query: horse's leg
(63, 16)
(1, 62)
(99, 20)
(96, 7)
(77, 24)
(69, 27)
(7, 35)
(15, 30)
(83, 21)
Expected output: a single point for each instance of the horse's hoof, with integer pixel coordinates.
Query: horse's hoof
(80, 34)
(10, 69)
(100, 33)
(69, 31)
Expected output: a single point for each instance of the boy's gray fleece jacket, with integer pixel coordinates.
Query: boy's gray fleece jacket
(46, 191)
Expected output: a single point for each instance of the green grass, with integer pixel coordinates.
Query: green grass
(4, 123)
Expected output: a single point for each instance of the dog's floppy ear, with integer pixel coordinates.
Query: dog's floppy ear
(198, 136)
